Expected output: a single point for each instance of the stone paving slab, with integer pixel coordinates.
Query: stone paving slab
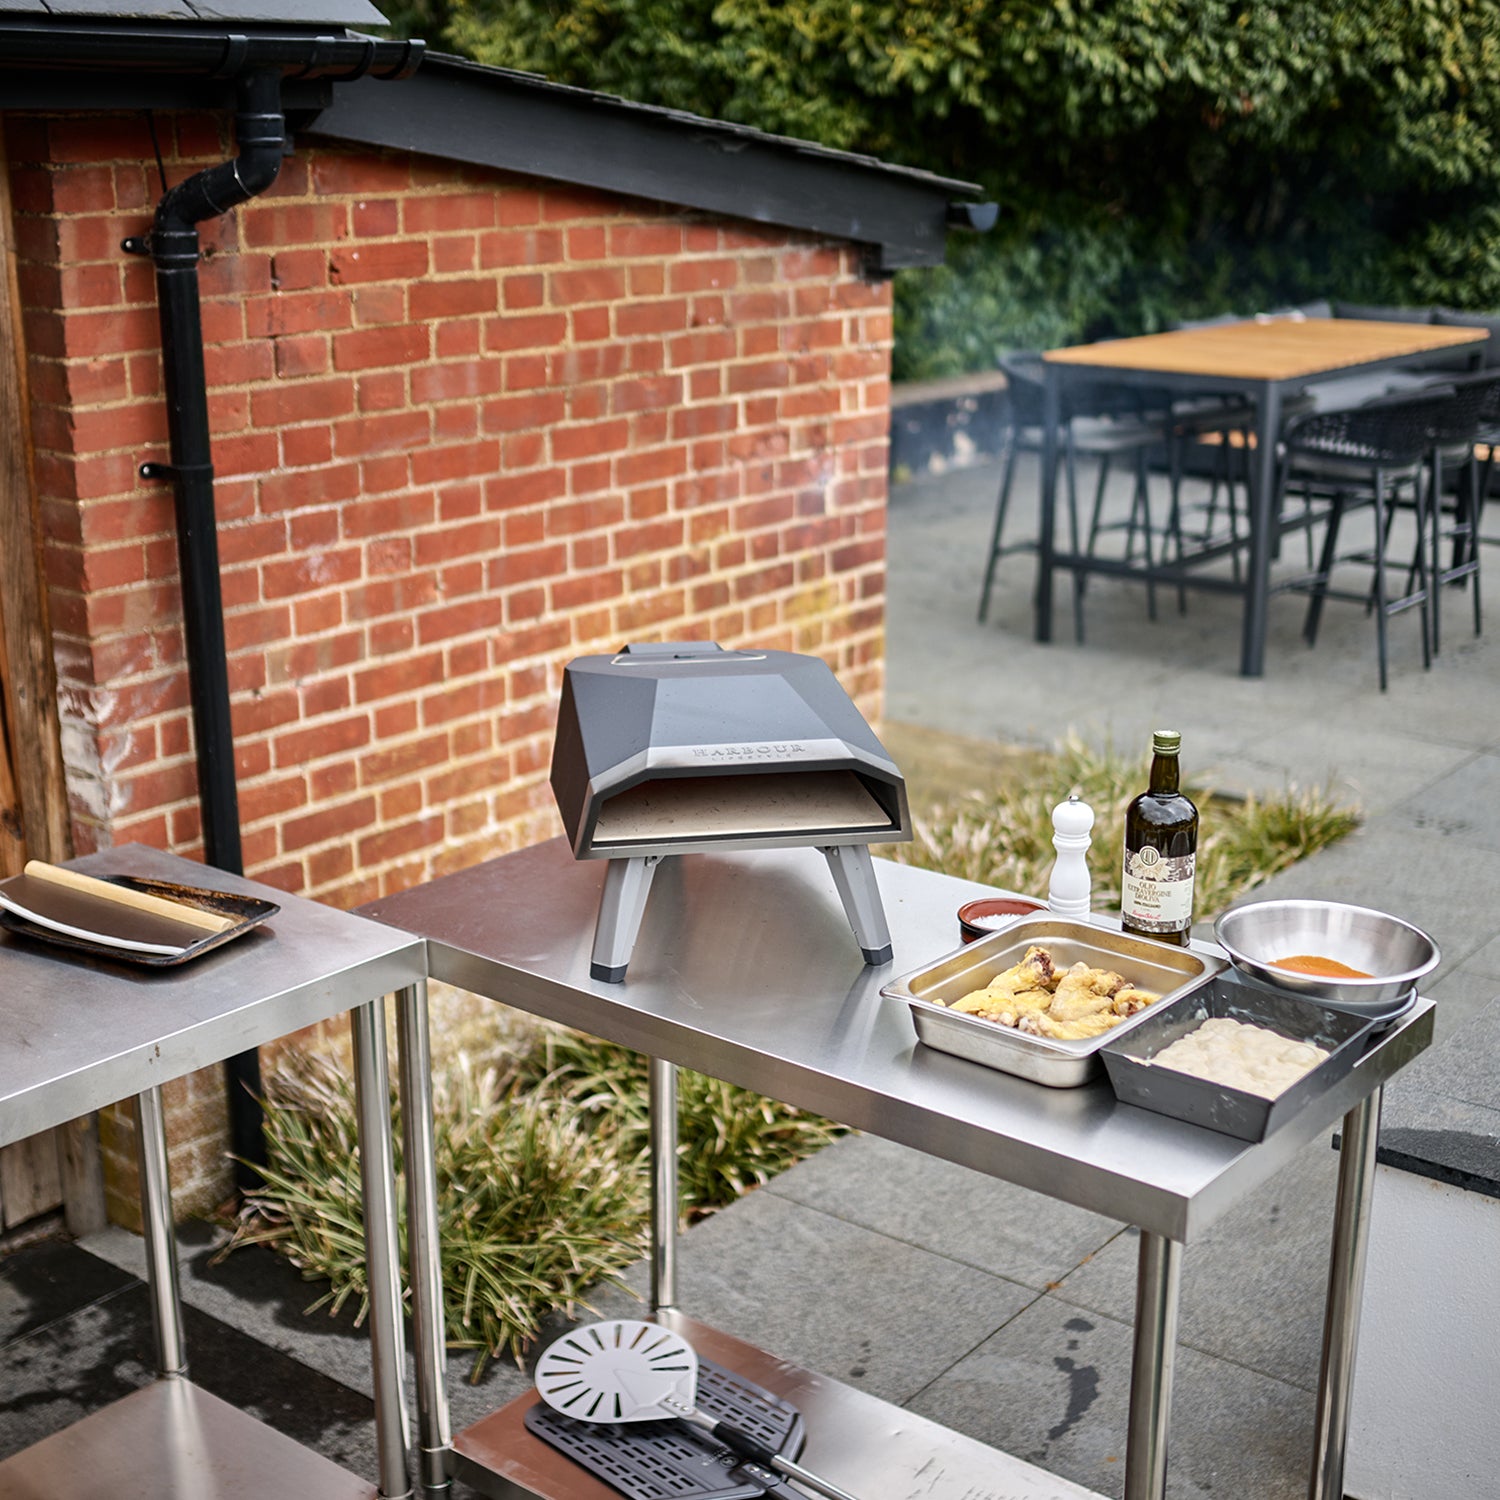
(1444, 887)
(1053, 1388)
(1375, 771)
(947, 1209)
(871, 1311)
(1459, 806)
(1461, 994)
(1254, 1287)
(1463, 1071)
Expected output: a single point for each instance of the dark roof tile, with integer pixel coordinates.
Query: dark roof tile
(212, 12)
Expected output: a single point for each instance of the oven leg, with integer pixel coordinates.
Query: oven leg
(854, 876)
(1151, 1372)
(161, 1237)
(622, 903)
(1346, 1280)
(434, 1436)
(663, 1102)
(372, 1100)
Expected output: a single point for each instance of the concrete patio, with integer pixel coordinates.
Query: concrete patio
(989, 1309)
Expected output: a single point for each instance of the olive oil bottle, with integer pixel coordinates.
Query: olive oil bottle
(1161, 848)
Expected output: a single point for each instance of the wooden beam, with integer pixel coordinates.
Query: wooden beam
(60, 1166)
(32, 728)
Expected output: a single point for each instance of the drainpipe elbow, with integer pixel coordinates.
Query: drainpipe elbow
(260, 133)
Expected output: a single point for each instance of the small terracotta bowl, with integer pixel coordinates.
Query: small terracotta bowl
(977, 919)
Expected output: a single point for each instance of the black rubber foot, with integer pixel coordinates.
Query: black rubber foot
(877, 955)
(609, 973)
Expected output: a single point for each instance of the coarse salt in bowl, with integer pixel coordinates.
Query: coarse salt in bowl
(987, 914)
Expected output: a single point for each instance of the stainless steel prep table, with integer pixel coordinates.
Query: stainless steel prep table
(745, 969)
(80, 1033)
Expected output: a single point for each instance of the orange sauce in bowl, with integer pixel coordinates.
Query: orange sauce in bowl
(1320, 967)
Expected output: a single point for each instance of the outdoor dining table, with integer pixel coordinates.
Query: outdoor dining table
(746, 970)
(1263, 360)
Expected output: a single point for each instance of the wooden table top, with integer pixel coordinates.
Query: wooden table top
(1278, 349)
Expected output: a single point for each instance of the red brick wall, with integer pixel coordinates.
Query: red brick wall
(466, 427)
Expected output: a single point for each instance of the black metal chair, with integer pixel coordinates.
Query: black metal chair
(1101, 421)
(1371, 457)
(1461, 457)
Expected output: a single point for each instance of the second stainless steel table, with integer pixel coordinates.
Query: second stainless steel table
(80, 1033)
(745, 969)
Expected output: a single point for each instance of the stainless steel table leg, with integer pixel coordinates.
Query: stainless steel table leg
(663, 1103)
(1151, 1370)
(434, 1434)
(1346, 1280)
(377, 1184)
(161, 1238)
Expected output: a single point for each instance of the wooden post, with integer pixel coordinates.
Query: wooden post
(63, 1165)
(30, 677)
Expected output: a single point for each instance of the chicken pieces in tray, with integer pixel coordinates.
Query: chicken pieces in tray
(1037, 997)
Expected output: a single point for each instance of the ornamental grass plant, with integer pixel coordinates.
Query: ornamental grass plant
(541, 1134)
(1003, 837)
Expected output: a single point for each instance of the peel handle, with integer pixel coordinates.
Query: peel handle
(752, 1448)
(810, 1480)
(119, 895)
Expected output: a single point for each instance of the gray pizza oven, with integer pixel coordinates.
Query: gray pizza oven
(668, 748)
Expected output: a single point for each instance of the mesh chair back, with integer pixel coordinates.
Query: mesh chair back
(1393, 433)
(1478, 397)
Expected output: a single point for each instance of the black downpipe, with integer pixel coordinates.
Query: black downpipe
(260, 131)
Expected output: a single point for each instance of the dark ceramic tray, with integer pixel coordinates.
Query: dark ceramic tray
(103, 928)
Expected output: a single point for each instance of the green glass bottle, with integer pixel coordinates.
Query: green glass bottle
(1161, 847)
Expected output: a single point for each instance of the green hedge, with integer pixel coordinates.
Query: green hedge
(1153, 158)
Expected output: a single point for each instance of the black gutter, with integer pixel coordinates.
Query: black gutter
(212, 51)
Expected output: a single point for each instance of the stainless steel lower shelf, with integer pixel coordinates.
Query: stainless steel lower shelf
(870, 1448)
(173, 1441)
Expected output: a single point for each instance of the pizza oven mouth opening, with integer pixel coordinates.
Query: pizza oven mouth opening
(721, 806)
(680, 747)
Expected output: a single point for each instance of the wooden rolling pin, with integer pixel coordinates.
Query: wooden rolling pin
(175, 911)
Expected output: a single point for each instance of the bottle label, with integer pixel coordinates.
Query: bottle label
(1157, 892)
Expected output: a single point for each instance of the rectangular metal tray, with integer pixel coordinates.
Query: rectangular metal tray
(1248, 1117)
(246, 912)
(1155, 966)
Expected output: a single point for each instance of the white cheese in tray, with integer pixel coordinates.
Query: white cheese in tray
(1253, 1059)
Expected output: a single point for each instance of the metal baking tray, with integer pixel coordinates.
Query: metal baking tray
(1249, 1117)
(246, 912)
(1143, 961)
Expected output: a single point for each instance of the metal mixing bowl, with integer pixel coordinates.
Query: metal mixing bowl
(1394, 953)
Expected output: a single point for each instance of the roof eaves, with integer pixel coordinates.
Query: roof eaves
(459, 110)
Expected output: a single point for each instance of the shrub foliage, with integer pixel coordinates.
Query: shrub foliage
(1153, 158)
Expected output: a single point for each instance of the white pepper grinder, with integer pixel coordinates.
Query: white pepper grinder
(1069, 889)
